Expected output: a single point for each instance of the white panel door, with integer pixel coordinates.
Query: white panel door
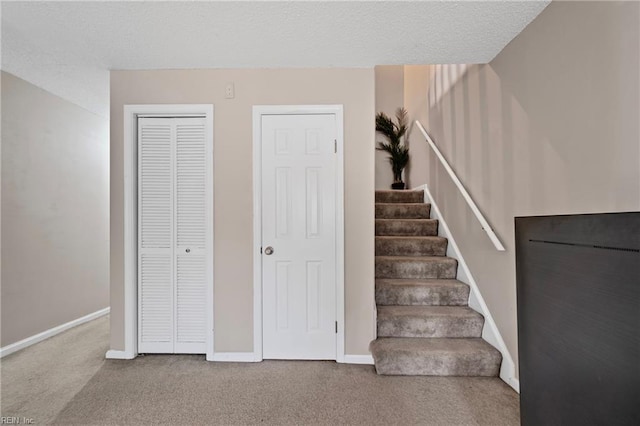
(299, 230)
(155, 235)
(173, 225)
(191, 249)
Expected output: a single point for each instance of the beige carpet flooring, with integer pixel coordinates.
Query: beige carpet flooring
(80, 388)
(37, 382)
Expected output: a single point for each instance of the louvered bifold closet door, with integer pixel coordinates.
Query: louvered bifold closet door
(155, 235)
(174, 222)
(191, 231)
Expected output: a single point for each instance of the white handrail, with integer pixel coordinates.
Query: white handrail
(474, 208)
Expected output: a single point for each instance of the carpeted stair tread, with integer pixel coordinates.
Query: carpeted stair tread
(447, 292)
(399, 196)
(429, 321)
(402, 210)
(407, 227)
(415, 267)
(410, 246)
(435, 357)
(424, 323)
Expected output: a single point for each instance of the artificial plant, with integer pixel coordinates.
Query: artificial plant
(395, 132)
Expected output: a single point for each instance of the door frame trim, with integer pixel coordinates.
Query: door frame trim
(131, 114)
(258, 112)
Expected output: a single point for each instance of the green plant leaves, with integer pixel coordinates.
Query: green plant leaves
(394, 132)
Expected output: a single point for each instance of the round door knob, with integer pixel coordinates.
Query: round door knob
(188, 250)
(268, 251)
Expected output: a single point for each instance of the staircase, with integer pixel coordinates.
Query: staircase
(424, 324)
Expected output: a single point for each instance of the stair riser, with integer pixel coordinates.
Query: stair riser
(445, 268)
(403, 211)
(408, 364)
(412, 247)
(399, 196)
(407, 228)
(430, 296)
(407, 326)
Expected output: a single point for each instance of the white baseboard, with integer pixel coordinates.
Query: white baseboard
(14, 347)
(513, 382)
(358, 359)
(234, 357)
(112, 354)
(250, 357)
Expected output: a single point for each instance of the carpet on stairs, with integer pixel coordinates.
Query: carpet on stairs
(424, 324)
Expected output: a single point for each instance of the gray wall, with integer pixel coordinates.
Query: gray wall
(233, 189)
(549, 127)
(55, 211)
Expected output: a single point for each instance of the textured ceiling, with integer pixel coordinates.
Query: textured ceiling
(94, 36)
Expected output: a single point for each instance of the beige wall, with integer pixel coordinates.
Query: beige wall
(55, 211)
(233, 223)
(389, 82)
(549, 127)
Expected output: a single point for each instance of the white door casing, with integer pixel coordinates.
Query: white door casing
(174, 248)
(299, 223)
(132, 113)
